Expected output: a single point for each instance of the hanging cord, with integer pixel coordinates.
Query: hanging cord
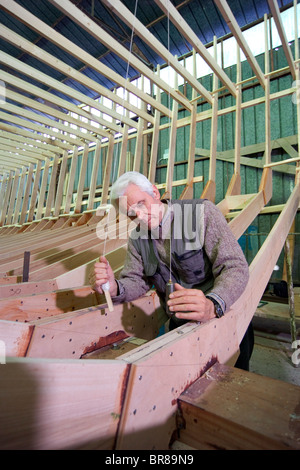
(106, 285)
(169, 285)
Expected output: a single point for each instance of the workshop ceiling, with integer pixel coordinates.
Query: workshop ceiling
(28, 49)
(202, 15)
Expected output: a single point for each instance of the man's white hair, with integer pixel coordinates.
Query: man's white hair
(130, 177)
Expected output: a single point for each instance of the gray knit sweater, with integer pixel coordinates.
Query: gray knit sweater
(215, 263)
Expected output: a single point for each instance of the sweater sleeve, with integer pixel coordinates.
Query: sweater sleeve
(132, 282)
(229, 265)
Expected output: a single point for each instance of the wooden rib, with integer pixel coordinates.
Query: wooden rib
(52, 188)
(62, 103)
(172, 148)
(70, 10)
(18, 111)
(41, 199)
(60, 187)
(210, 187)
(120, 10)
(155, 137)
(64, 89)
(71, 180)
(285, 45)
(25, 123)
(18, 133)
(19, 158)
(27, 194)
(235, 29)
(7, 144)
(49, 110)
(107, 171)
(81, 180)
(238, 116)
(3, 189)
(19, 196)
(94, 175)
(34, 193)
(6, 198)
(192, 39)
(139, 139)
(188, 191)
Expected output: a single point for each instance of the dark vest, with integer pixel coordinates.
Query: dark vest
(190, 265)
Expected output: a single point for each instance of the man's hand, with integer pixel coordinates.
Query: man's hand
(191, 304)
(101, 274)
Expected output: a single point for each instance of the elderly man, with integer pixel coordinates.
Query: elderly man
(185, 241)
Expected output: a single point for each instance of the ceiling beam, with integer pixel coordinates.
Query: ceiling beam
(59, 40)
(103, 37)
(285, 45)
(236, 31)
(183, 27)
(120, 10)
(61, 104)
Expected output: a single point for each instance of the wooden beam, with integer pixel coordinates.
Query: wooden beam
(69, 9)
(185, 29)
(27, 194)
(155, 138)
(236, 31)
(215, 411)
(61, 103)
(86, 422)
(66, 90)
(285, 45)
(54, 36)
(124, 13)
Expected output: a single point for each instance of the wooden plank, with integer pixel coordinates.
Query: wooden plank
(52, 404)
(101, 35)
(34, 193)
(188, 191)
(25, 203)
(172, 362)
(43, 188)
(73, 334)
(107, 171)
(155, 137)
(6, 198)
(52, 188)
(94, 175)
(71, 180)
(228, 408)
(235, 29)
(12, 197)
(63, 42)
(210, 187)
(80, 184)
(240, 223)
(285, 45)
(185, 29)
(20, 194)
(61, 183)
(132, 21)
(16, 337)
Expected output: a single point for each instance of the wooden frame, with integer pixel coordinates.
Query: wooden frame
(53, 324)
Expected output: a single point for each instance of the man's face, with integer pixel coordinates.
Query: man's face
(141, 206)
